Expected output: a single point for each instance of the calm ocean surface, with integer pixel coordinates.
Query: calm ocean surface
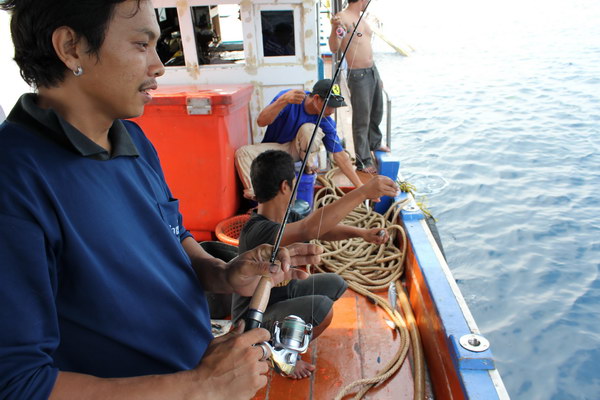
(496, 117)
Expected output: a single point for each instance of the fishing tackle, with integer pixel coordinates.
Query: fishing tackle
(284, 345)
(290, 338)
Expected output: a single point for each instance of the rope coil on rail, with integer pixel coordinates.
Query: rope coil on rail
(370, 268)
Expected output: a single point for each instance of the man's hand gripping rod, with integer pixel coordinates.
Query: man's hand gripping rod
(254, 316)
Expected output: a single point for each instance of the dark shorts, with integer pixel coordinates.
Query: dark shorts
(310, 299)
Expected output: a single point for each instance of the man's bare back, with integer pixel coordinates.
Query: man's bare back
(360, 52)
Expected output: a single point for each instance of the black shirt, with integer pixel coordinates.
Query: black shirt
(259, 230)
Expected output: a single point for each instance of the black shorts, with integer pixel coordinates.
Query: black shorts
(310, 299)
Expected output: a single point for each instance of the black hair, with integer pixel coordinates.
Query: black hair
(34, 21)
(267, 172)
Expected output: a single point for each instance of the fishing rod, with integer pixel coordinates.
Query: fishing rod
(312, 139)
(292, 336)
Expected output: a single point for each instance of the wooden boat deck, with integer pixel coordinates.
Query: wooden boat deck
(356, 345)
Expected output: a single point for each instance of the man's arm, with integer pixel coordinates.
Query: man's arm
(211, 271)
(270, 112)
(341, 232)
(70, 385)
(323, 220)
(241, 275)
(334, 40)
(229, 369)
(231, 366)
(343, 161)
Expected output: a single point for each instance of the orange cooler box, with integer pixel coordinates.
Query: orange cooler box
(196, 130)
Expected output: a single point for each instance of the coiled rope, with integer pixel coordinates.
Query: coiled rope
(369, 268)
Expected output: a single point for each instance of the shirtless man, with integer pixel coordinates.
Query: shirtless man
(363, 81)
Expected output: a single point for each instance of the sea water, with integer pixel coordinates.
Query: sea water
(496, 117)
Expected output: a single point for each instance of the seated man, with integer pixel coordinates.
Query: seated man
(312, 299)
(291, 119)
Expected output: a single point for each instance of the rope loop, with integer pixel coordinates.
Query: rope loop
(368, 269)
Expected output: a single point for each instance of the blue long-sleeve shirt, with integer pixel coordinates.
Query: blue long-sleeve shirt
(285, 127)
(93, 277)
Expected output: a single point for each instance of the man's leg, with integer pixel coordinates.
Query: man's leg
(312, 300)
(320, 289)
(302, 140)
(243, 160)
(360, 84)
(327, 284)
(375, 136)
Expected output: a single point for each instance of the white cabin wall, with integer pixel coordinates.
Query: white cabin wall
(268, 75)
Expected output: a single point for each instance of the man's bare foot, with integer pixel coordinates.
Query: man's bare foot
(384, 148)
(371, 170)
(302, 370)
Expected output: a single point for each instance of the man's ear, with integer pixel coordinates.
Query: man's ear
(283, 186)
(314, 102)
(68, 47)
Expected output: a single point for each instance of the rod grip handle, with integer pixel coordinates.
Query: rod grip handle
(261, 295)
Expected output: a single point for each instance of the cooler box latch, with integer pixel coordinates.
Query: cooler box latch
(199, 105)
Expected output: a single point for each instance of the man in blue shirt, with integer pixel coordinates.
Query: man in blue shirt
(291, 118)
(101, 286)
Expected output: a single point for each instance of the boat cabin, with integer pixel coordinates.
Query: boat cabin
(271, 45)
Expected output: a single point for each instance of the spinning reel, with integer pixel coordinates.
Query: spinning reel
(290, 337)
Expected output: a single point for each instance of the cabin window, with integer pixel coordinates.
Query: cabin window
(218, 31)
(278, 33)
(169, 46)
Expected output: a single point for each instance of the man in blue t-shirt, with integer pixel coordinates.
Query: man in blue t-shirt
(291, 118)
(101, 286)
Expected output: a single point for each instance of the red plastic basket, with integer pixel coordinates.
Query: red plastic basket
(228, 231)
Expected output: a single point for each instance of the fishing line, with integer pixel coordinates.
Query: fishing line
(312, 139)
(308, 153)
(282, 357)
(341, 33)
